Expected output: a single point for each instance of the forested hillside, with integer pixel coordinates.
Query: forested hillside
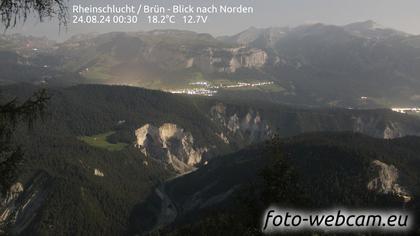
(88, 162)
(310, 171)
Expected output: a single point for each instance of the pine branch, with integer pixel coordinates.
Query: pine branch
(12, 11)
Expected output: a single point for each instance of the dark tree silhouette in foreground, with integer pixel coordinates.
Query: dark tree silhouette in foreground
(12, 112)
(13, 11)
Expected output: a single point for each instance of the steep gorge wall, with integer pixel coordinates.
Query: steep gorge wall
(171, 144)
(238, 127)
(228, 60)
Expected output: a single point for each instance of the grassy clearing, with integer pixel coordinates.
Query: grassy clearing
(97, 74)
(100, 141)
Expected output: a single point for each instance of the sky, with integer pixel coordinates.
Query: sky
(399, 14)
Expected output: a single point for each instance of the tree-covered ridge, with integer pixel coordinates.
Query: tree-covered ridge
(310, 171)
(87, 185)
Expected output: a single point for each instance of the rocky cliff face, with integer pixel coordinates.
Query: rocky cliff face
(235, 127)
(166, 50)
(247, 58)
(171, 144)
(385, 180)
(392, 130)
(228, 60)
(7, 206)
(21, 203)
(246, 128)
(380, 128)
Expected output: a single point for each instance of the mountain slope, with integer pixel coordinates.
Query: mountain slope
(339, 65)
(356, 65)
(132, 115)
(90, 158)
(332, 169)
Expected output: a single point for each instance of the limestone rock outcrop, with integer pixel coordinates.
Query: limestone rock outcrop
(170, 144)
(385, 180)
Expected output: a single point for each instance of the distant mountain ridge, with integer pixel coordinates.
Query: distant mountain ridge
(313, 64)
(105, 157)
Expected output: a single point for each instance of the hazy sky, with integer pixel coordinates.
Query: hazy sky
(400, 14)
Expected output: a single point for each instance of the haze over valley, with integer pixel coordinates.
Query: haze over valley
(312, 64)
(172, 132)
